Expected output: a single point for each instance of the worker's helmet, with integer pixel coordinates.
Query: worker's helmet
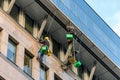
(70, 27)
(46, 38)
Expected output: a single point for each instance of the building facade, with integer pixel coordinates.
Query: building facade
(23, 24)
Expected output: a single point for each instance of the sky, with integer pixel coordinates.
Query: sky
(109, 11)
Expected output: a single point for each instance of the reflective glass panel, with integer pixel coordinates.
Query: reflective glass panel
(43, 74)
(11, 51)
(27, 63)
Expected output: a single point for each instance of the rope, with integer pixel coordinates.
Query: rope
(74, 48)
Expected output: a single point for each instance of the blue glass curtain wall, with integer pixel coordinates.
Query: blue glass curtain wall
(85, 18)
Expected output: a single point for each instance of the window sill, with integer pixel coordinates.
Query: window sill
(28, 74)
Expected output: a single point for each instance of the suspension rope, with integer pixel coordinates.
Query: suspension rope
(74, 48)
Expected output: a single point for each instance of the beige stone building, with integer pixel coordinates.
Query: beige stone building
(23, 23)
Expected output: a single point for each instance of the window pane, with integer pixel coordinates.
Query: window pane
(56, 48)
(80, 71)
(27, 64)
(1, 3)
(11, 51)
(29, 24)
(15, 12)
(42, 74)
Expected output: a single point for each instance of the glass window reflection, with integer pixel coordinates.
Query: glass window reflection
(43, 72)
(11, 51)
(27, 64)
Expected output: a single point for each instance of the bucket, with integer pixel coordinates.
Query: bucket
(77, 64)
(69, 36)
(43, 49)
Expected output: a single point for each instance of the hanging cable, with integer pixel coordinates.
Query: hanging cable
(77, 63)
(74, 48)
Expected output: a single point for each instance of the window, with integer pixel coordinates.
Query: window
(28, 63)
(11, 51)
(15, 12)
(80, 71)
(56, 77)
(1, 3)
(43, 72)
(56, 48)
(29, 24)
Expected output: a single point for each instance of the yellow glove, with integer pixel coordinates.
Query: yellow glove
(48, 52)
(71, 59)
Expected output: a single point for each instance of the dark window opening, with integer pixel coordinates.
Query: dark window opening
(15, 12)
(56, 48)
(28, 24)
(80, 71)
(1, 3)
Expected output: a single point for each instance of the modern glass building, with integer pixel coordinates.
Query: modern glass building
(24, 23)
